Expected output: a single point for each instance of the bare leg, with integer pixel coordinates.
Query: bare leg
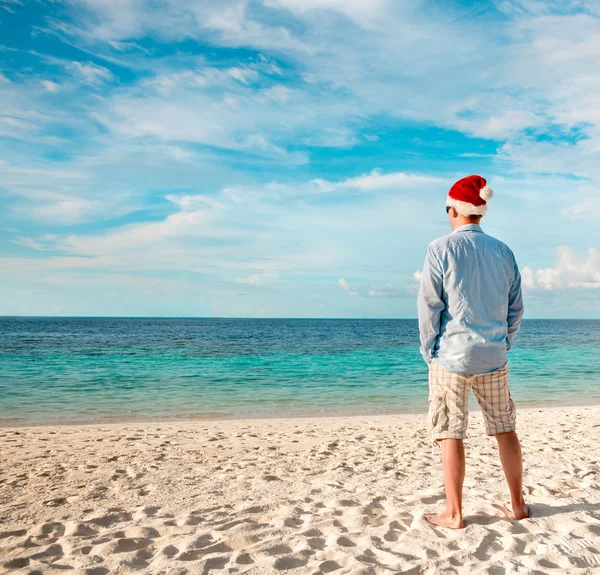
(453, 460)
(512, 463)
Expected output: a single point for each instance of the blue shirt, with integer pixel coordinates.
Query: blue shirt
(470, 301)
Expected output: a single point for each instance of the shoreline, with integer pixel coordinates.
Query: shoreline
(200, 418)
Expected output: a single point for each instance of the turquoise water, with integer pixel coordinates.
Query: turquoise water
(75, 370)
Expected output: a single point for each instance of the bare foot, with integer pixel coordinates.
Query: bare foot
(521, 512)
(445, 519)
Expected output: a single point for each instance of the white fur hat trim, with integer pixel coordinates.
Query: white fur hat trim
(465, 208)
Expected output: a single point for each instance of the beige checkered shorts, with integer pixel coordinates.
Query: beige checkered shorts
(448, 415)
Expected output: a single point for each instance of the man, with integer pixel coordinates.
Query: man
(470, 309)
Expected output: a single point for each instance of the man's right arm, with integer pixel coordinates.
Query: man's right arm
(430, 304)
(515, 306)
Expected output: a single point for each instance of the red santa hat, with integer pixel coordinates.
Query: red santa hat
(468, 196)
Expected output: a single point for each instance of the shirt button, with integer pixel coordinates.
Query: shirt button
(441, 397)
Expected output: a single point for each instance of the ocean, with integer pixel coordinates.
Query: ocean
(84, 370)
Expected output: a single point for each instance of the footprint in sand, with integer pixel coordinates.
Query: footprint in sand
(49, 530)
(345, 542)
(286, 563)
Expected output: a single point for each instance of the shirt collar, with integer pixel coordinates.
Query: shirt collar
(468, 228)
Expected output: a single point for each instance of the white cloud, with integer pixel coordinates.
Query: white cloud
(377, 181)
(256, 279)
(386, 290)
(589, 209)
(228, 22)
(221, 108)
(532, 72)
(357, 10)
(243, 75)
(527, 278)
(20, 119)
(67, 209)
(278, 93)
(43, 244)
(127, 46)
(344, 285)
(507, 123)
(253, 279)
(524, 72)
(418, 275)
(374, 70)
(61, 195)
(194, 202)
(569, 272)
(8, 5)
(370, 184)
(474, 155)
(51, 86)
(248, 235)
(90, 72)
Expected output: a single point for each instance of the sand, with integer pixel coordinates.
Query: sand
(330, 495)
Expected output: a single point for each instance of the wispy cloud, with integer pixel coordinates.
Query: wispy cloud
(589, 209)
(377, 181)
(90, 72)
(59, 195)
(250, 218)
(51, 86)
(385, 290)
(344, 285)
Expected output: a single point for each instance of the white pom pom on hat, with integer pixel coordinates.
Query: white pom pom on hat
(486, 193)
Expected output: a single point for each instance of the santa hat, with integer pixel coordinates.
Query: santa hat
(468, 196)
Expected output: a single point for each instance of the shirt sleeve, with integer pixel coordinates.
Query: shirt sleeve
(430, 304)
(515, 307)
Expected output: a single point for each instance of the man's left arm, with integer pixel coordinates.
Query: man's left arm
(515, 307)
(430, 304)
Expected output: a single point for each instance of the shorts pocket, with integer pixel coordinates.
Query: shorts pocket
(438, 412)
(512, 408)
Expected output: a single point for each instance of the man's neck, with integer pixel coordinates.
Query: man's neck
(462, 221)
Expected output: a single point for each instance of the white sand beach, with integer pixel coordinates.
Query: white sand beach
(322, 495)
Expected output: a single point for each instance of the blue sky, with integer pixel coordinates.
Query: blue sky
(290, 157)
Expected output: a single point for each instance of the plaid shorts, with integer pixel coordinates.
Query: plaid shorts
(448, 415)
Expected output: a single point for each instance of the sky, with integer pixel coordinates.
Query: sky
(290, 158)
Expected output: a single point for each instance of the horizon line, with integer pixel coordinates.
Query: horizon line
(258, 318)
